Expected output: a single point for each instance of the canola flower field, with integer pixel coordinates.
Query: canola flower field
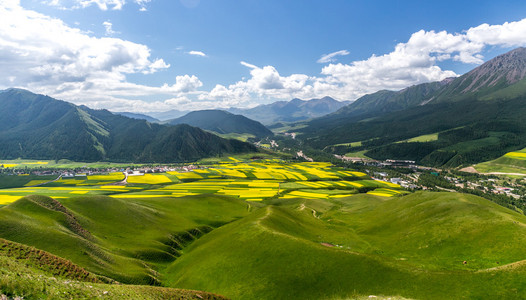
(248, 180)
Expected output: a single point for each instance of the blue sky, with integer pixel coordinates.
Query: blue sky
(153, 55)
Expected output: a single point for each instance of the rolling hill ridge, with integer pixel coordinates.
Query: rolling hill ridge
(222, 122)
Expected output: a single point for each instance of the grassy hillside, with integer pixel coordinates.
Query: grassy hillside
(124, 240)
(511, 162)
(35, 274)
(412, 246)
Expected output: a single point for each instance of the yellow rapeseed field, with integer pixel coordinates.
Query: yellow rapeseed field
(6, 199)
(117, 176)
(8, 165)
(149, 179)
(516, 155)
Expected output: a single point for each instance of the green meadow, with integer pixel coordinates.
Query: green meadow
(266, 229)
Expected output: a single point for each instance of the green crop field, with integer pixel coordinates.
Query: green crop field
(266, 229)
(423, 138)
(511, 162)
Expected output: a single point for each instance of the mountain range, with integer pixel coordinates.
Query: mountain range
(138, 116)
(475, 117)
(40, 127)
(291, 111)
(166, 115)
(222, 122)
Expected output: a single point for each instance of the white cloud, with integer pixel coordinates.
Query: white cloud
(184, 84)
(109, 28)
(101, 4)
(248, 65)
(197, 53)
(331, 56)
(142, 4)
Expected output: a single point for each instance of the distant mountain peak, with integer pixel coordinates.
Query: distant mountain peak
(291, 111)
(222, 122)
(507, 68)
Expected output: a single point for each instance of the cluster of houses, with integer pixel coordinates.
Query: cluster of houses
(131, 171)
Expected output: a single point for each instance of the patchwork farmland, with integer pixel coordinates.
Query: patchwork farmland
(250, 181)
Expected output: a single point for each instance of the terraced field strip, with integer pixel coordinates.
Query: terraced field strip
(116, 176)
(308, 195)
(186, 175)
(385, 192)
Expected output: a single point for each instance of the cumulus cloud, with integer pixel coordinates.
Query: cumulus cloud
(326, 58)
(197, 53)
(45, 55)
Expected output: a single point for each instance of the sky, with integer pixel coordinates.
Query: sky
(158, 55)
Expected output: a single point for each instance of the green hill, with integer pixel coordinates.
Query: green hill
(39, 127)
(124, 240)
(421, 246)
(414, 246)
(222, 122)
(31, 273)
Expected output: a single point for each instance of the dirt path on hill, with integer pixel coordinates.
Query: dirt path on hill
(58, 178)
(501, 173)
(473, 170)
(122, 182)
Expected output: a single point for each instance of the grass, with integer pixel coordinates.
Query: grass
(35, 274)
(238, 136)
(422, 139)
(300, 248)
(410, 247)
(12, 181)
(360, 154)
(114, 237)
